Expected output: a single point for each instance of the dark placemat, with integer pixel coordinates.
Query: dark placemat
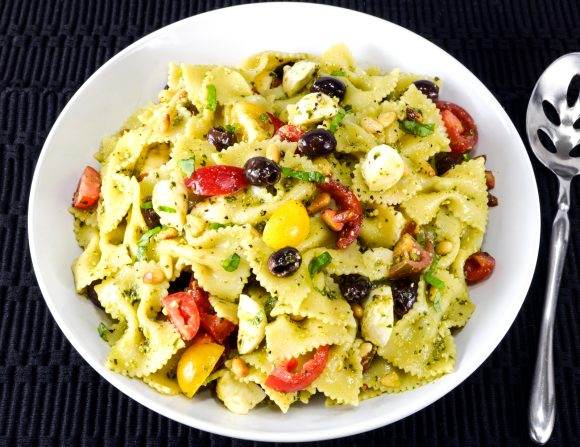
(50, 396)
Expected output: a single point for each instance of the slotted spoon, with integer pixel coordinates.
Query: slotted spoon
(553, 128)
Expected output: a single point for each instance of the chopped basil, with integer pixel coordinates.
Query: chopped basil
(347, 108)
(437, 302)
(430, 277)
(416, 128)
(187, 166)
(231, 264)
(318, 263)
(211, 97)
(103, 331)
(339, 72)
(467, 156)
(307, 176)
(167, 209)
(270, 303)
(264, 117)
(231, 128)
(216, 226)
(147, 205)
(144, 241)
(337, 120)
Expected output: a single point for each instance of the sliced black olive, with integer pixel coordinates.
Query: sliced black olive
(91, 294)
(316, 143)
(354, 287)
(221, 138)
(261, 171)
(151, 217)
(428, 88)
(444, 161)
(329, 86)
(278, 74)
(284, 262)
(404, 295)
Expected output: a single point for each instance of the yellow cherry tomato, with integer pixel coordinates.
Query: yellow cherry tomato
(196, 364)
(288, 226)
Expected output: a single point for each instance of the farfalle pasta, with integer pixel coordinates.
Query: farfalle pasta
(293, 226)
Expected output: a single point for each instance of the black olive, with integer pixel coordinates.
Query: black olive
(404, 295)
(316, 142)
(284, 262)
(92, 294)
(151, 218)
(428, 88)
(329, 86)
(261, 171)
(354, 287)
(221, 138)
(444, 161)
(413, 114)
(181, 282)
(278, 74)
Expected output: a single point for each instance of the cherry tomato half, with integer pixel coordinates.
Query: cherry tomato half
(196, 364)
(217, 328)
(275, 121)
(217, 180)
(183, 313)
(346, 200)
(88, 189)
(478, 267)
(460, 126)
(283, 378)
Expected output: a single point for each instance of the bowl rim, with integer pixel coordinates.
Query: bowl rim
(288, 435)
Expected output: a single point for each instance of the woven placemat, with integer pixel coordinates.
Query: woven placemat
(50, 396)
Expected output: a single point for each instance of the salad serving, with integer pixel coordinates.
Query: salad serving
(293, 226)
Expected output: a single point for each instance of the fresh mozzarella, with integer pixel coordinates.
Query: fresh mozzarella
(377, 320)
(169, 199)
(312, 108)
(382, 167)
(252, 324)
(297, 76)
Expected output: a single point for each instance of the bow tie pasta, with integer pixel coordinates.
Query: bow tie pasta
(293, 226)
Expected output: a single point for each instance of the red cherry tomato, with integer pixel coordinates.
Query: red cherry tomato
(478, 267)
(460, 126)
(283, 378)
(183, 313)
(275, 121)
(217, 180)
(346, 201)
(88, 189)
(217, 328)
(289, 132)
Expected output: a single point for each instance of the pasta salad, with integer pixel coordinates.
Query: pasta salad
(293, 226)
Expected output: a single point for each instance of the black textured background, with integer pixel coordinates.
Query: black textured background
(50, 396)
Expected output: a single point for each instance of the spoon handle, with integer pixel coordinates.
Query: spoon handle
(543, 399)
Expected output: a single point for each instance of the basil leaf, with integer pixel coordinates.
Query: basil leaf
(339, 72)
(318, 263)
(211, 97)
(144, 241)
(432, 280)
(416, 128)
(167, 209)
(437, 302)
(307, 176)
(231, 264)
(216, 226)
(337, 120)
(231, 128)
(187, 166)
(264, 117)
(103, 331)
(146, 205)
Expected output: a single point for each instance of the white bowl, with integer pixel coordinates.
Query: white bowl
(135, 76)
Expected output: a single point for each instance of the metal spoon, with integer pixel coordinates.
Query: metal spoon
(554, 109)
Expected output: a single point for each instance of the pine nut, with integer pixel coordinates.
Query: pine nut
(320, 202)
(327, 217)
(443, 248)
(357, 311)
(371, 125)
(390, 380)
(489, 180)
(167, 233)
(387, 118)
(153, 277)
(239, 367)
